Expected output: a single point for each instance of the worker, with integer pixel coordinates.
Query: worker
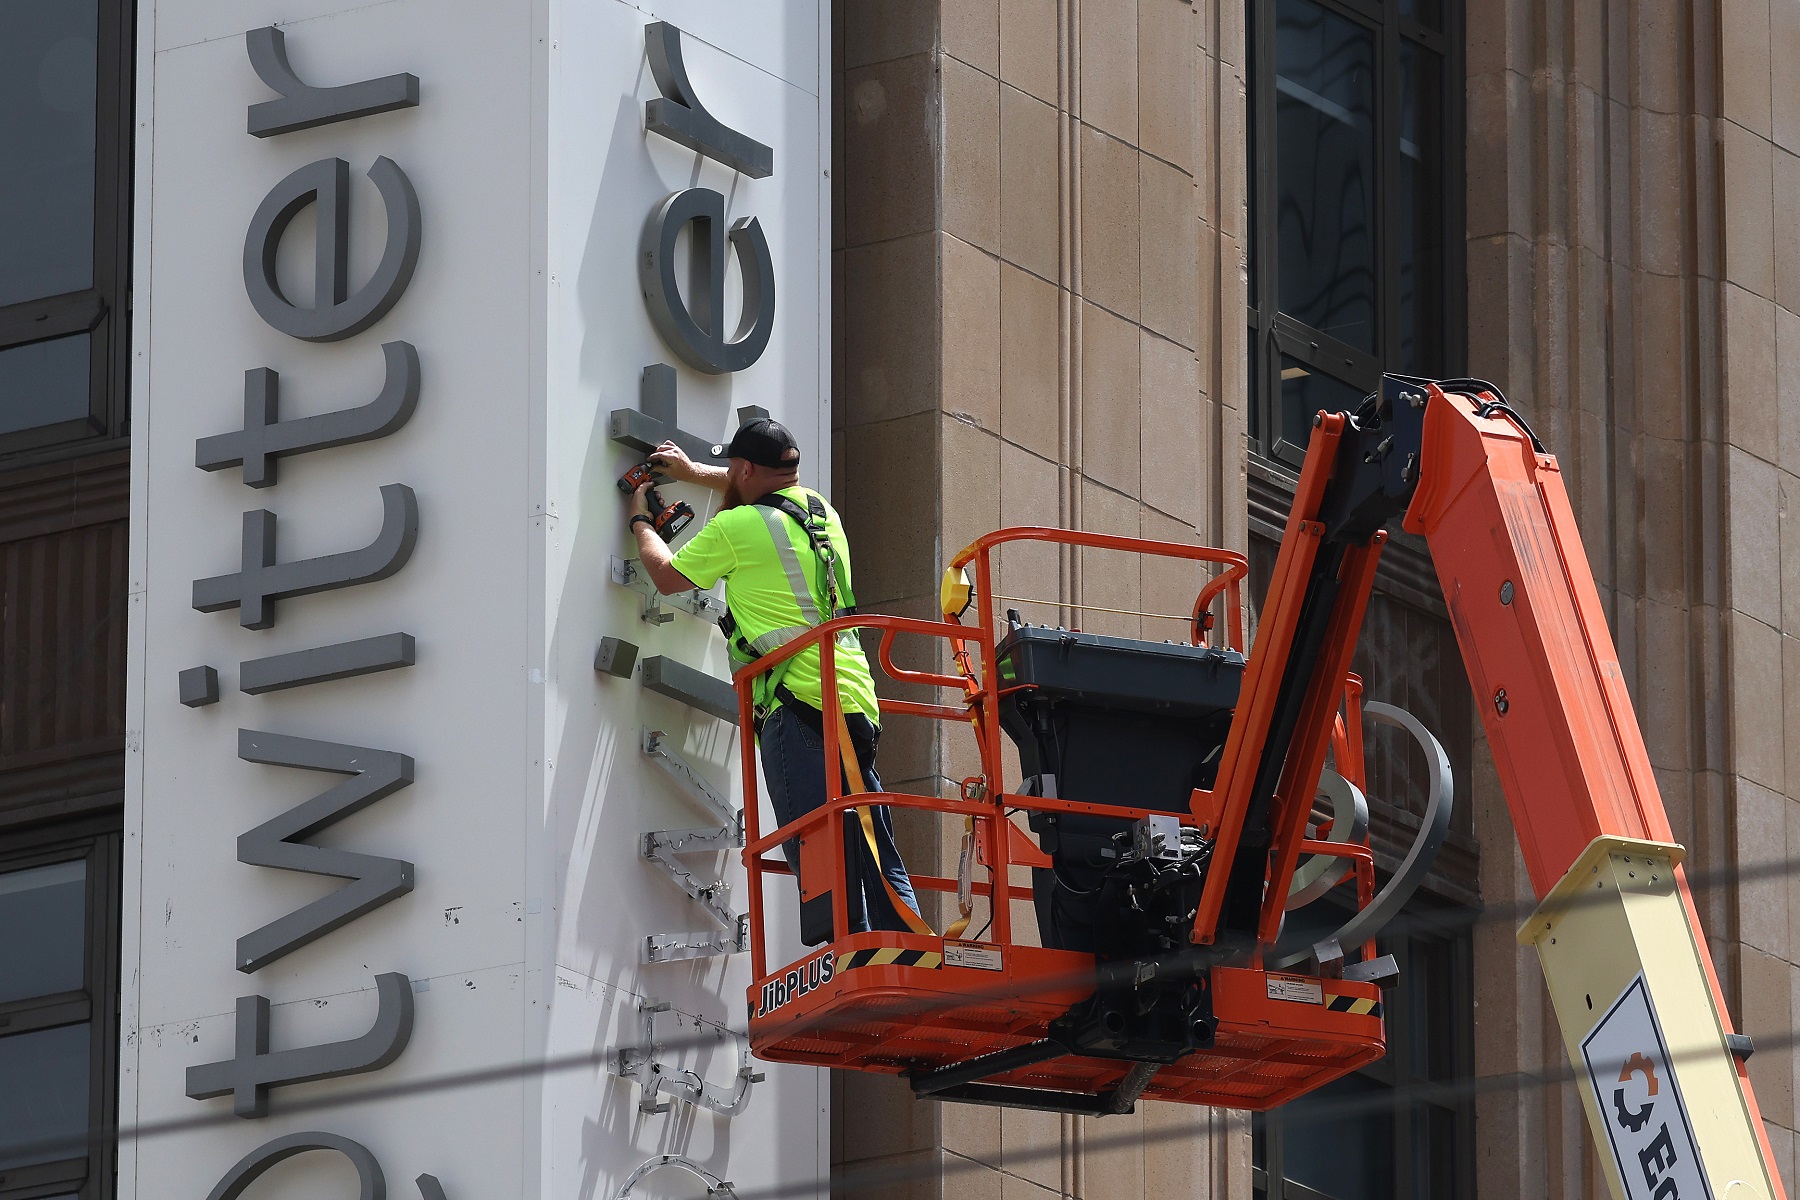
(785, 561)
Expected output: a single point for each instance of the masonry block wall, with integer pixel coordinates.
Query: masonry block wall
(1634, 274)
(1038, 303)
(1755, 443)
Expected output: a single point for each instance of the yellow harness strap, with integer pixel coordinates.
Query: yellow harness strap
(853, 768)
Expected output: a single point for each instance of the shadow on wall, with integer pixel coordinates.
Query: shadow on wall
(601, 799)
(601, 796)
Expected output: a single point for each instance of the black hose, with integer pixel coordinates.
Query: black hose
(1497, 405)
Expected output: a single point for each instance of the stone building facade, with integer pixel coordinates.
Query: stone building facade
(1038, 271)
(1044, 237)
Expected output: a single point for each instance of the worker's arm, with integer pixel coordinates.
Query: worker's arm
(673, 461)
(653, 552)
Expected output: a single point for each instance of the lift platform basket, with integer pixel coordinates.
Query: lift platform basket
(1134, 755)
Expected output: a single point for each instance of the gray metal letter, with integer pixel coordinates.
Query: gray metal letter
(616, 657)
(335, 314)
(679, 116)
(708, 693)
(265, 437)
(695, 328)
(321, 664)
(279, 843)
(252, 1070)
(261, 581)
(371, 1184)
(652, 422)
(199, 686)
(303, 106)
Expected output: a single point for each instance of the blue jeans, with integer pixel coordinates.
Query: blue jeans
(793, 760)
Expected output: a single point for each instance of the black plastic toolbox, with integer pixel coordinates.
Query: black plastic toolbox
(1114, 721)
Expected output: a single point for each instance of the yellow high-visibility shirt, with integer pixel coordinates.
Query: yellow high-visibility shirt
(738, 546)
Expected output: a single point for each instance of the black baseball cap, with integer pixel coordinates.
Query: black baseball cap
(765, 442)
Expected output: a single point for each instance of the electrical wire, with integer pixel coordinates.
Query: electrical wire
(855, 1180)
(1449, 1090)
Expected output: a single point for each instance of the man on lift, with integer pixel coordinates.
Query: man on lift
(786, 564)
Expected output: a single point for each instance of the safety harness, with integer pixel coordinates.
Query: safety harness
(812, 521)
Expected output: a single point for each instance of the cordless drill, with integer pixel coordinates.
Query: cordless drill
(667, 520)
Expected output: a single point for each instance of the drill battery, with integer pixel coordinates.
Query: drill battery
(667, 519)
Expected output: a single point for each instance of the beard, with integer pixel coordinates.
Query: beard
(734, 496)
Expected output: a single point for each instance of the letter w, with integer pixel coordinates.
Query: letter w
(280, 843)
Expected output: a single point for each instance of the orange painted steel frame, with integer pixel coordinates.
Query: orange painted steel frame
(1566, 741)
(990, 812)
(1267, 1051)
(1298, 781)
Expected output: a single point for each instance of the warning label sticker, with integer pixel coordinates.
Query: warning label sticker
(978, 955)
(1298, 988)
(1647, 1124)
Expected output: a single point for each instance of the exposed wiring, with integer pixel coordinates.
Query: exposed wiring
(1487, 408)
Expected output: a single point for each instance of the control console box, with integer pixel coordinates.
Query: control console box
(1109, 720)
(1100, 671)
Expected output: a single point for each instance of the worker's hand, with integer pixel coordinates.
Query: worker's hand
(640, 502)
(673, 461)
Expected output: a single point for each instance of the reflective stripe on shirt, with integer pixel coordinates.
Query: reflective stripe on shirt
(777, 521)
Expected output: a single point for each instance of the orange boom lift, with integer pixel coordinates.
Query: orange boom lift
(1170, 787)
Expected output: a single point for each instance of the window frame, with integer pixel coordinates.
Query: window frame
(1273, 333)
(98, 842)
(1274, 467)
(103, 310)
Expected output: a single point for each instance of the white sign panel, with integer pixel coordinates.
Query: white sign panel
(1635, 1086)
(392, 919)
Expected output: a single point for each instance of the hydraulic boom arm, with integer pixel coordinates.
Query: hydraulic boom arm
(1633, 986)
(1165, 966)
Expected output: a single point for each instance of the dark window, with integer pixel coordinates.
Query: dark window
(1355, 107)
(65, 220)
(1385, 1131)
(1355, 269)
(59, 967)
(66, 133)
